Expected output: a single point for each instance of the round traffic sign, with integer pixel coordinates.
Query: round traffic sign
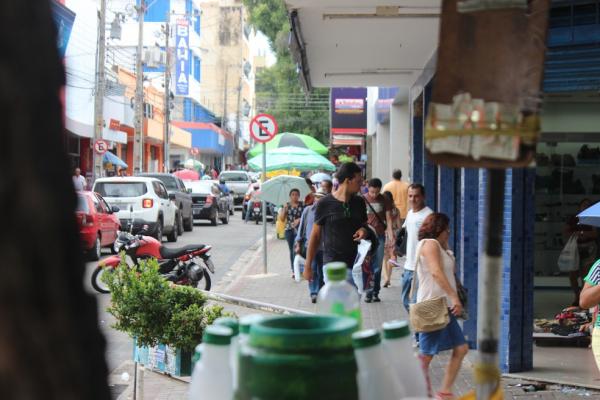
(194, 151)
(263, 128)
(100, 146)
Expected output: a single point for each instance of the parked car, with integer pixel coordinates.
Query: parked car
(237, 182)
(143, 200)
(98, 224)
(209, 202)
(183, 200)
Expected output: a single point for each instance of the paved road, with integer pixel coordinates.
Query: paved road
(228, 241)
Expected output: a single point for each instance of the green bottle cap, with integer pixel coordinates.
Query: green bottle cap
(218, 335)
(230, 323)
(336, 271)
(366, 338)
(249, 320)
(395, 329)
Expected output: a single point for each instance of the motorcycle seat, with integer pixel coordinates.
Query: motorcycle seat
(167, 253)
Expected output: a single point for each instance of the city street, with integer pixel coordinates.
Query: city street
(228, 241)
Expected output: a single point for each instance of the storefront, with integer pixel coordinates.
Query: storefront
(213, 144)
(348, 124)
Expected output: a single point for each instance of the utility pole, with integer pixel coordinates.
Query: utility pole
(167, 101)
(100, 88)
(224, 117)
(138, 137)
(238, 132)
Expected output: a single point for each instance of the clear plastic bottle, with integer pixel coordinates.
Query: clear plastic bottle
(234, 349)
(397, 342)
(212, 378)
(338, 297)
(374, 377)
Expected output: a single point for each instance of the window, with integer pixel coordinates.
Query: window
(148, 111)
(160, 190)
(196, 19)
(197, 64)
(98, 205)
(106, 206)
(584, 14)
(121, 189)
(235, 177)
(163, 191)
(169, 181)
(187, 109)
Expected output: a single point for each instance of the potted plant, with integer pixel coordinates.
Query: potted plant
(166, 321)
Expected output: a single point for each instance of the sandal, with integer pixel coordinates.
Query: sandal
(386, 284)
(444, 396)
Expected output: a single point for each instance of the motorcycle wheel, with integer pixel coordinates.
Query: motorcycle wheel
(97, 283)
(206, 280)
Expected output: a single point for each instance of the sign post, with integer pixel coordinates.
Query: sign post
(263, 128)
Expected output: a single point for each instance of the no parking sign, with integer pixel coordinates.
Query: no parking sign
(263, 128)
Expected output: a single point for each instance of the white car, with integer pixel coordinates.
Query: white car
(145, 201)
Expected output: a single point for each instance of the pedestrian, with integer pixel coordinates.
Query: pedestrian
(309, 199)
(292, 212)
(436, 277)
(340, 222)
(389, 252)
(399, 190)
(379, 217)
(327, 186)
(587, 248)
(79, 182)
(414, 219)
(304, 231)
(590, 298)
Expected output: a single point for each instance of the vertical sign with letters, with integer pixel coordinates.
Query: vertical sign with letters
(182, 58)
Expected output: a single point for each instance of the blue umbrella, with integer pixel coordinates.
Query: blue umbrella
(111, 158)
(590, 216)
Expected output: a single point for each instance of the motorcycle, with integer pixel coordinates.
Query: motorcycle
(187, 265)
(257, 211)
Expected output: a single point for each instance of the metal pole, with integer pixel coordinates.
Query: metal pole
(138, 139)
(135, 380)
(167, 95)
(100, 89)
(487, 374)
(264, 207)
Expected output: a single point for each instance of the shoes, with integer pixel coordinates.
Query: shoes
(368, 299)
(313, 298)
(386, 284)
(293, 276)
(444, 396)
(376, 298)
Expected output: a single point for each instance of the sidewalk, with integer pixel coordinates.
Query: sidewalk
(246, 280)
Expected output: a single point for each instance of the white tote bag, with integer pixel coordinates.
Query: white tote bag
(569, 256)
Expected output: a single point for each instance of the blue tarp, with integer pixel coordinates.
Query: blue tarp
(111, 158)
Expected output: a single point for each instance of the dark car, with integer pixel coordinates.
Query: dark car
(209, 202)
(182, 198)
(98, 223)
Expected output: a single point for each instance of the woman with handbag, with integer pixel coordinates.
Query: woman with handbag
(437, 290)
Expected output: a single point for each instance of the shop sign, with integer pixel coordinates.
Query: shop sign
(182, 57)
(348, 114)
(114, 125)
(349, 106)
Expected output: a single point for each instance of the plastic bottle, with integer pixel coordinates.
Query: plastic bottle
(211, 378)
(397, 342)
(375, 377)
(245, 323)
(338, 297)
(234, 325)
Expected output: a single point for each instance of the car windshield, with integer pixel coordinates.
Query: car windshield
(200, 187)
(121, 189)
(169, 181)
(82, 204)
(234, 177)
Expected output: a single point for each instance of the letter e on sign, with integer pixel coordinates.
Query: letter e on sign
(100, 146)
(263, 128)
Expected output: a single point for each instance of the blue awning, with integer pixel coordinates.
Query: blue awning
(111, 158)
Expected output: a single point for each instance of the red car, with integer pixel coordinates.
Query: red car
(98, 224)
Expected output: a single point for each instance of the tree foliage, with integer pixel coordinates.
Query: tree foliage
(278, 88)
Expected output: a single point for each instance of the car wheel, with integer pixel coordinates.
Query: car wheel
(231, 209)
(179, 223)
(158, 235)
(172, 236)
(96, 250)
(213, 220)
(188, 224)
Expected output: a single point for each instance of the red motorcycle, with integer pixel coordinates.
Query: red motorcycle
(186, 265)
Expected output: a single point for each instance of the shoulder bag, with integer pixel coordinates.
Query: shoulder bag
(428, 315)
(382, 222)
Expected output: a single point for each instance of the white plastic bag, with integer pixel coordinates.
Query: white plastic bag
(299, 262)
(357, 276)
(569, 256)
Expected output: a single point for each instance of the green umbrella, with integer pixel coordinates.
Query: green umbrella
(291, 139)
(290, 158)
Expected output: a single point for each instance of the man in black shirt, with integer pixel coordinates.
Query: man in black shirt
(340, 221)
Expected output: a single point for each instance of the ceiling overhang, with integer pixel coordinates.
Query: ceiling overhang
(349, 43)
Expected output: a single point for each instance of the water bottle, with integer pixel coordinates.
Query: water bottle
(234, 325)
(245, 323)
(212, 374)
(338, 297)
(375, 377)
(397, 342)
